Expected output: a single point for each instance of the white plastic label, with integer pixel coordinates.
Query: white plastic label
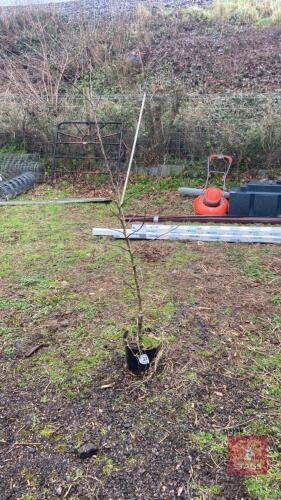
(144, 359)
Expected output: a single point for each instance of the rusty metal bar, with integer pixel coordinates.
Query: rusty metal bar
(203, 219)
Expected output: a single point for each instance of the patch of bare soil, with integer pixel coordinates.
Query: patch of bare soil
(146, 448)
(80, 186)
(152, 254)
(105, 8)
(214, 59)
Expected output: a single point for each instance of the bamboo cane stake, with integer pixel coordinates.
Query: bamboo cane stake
(133, 150)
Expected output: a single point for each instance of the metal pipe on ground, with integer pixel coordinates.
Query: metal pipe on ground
(187, 191)
(203, 219)
(69, 201)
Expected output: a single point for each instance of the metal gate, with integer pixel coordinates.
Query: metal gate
(77, 147)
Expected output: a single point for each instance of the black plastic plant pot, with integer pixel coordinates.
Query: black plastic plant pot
(139, 362)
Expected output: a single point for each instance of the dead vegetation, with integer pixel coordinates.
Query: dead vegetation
(46, 61)
(247, 11)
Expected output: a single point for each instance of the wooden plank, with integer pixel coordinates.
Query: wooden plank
(22, 203)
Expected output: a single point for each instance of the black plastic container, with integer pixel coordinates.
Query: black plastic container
(256, 199)
(139, 362)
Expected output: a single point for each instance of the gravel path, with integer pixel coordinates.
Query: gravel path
(101, 7)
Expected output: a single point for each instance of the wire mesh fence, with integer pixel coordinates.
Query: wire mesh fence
(19, 172)
(176, 127)
(15, 164)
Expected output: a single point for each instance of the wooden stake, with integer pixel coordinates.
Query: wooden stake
(133, 150)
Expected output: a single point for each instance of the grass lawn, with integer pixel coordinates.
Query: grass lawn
(219, 306)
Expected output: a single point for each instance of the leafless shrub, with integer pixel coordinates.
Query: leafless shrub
(161, 113)
(248, 127)
(45, 62)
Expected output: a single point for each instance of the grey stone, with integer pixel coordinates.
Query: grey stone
(87, 450)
